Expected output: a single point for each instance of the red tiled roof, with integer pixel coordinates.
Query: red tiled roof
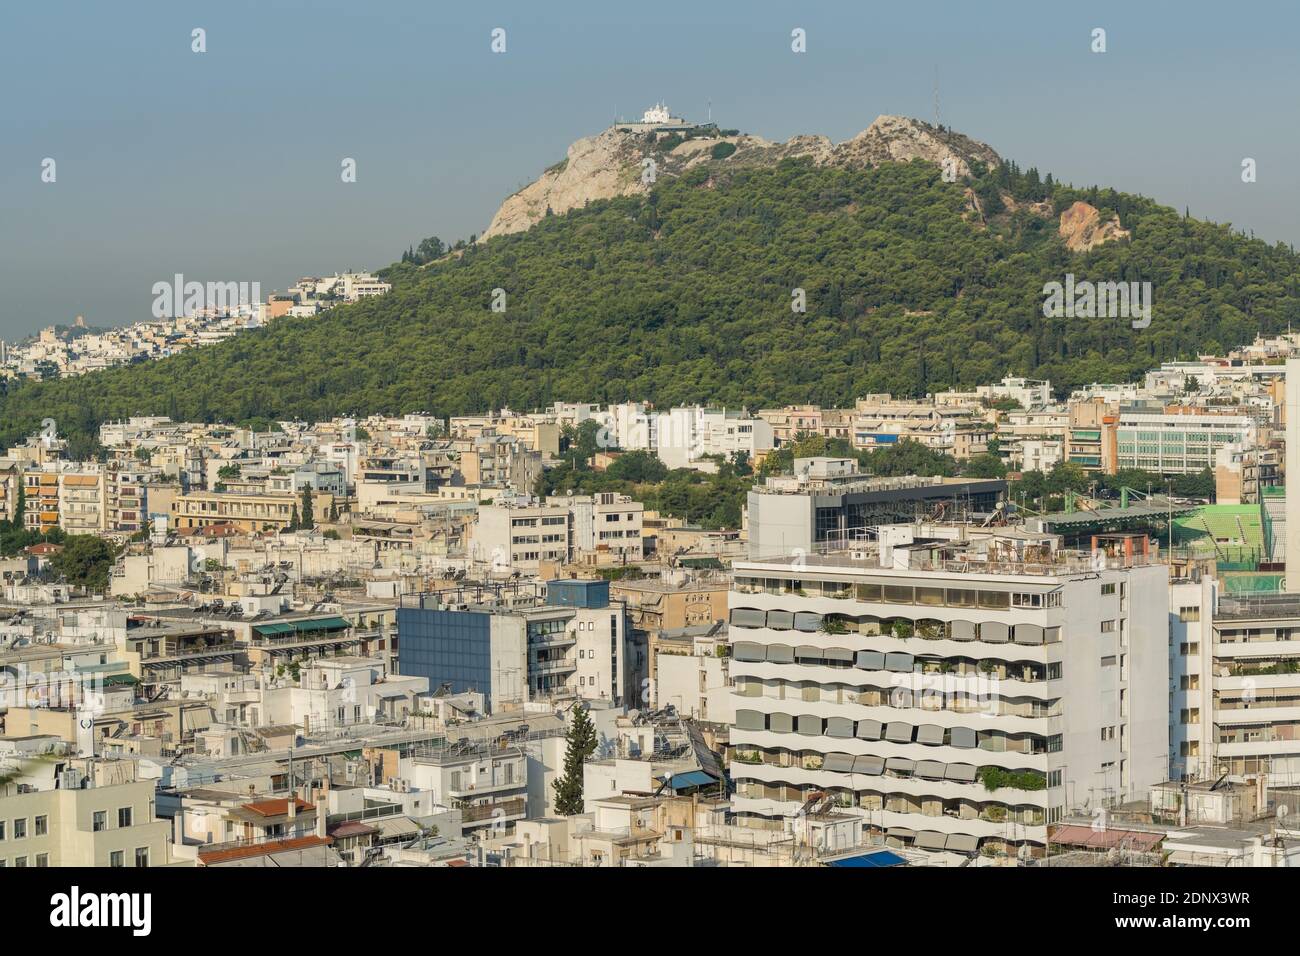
(208, 857)
(276, 808)
(45, 548)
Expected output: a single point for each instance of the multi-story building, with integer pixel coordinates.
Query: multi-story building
(517, 644)
(1178, 443)
(957, 690)
(1090, 441)
(520, 537)
(83, 506)
(828, 500)
(58, 811)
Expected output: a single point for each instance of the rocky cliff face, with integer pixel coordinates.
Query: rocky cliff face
(611, 163)
(1082, 229)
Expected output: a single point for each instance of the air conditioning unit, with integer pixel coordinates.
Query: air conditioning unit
(70, 780)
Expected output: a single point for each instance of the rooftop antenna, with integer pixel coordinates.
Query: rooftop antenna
(710, 111)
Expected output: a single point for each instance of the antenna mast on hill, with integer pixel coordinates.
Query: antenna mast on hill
(937, 121)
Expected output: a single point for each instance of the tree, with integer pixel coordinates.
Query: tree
(85, 561)
(308, 509)
(20, 505)
(228, 472)
(581, 740)
(293, 520)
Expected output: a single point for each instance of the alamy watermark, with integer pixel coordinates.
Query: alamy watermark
(1098, 300)
(178, 298)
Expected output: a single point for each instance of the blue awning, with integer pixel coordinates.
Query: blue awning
(877, 858)
(691, 778)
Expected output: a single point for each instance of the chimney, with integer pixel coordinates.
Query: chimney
(320, 817)
(293, 805)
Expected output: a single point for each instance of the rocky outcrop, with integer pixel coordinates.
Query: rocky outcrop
(611, 163)
(1082, 229)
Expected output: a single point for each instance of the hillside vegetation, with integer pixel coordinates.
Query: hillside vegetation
(684, 295)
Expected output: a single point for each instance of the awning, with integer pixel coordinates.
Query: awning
(780, 620)
(962, 843)
(323, 624)
(930, 769)
(931, 840)
(809, 725)
(994, 632)
(839, 727)
(900, 764)
(808, 652)
(960, 772)
(747, 651)
(747, 617)
(691, 778)
(837, 654)
(871, 660)
(900, 833)
(871, 766)
(876, 858)
(780, 654)
(838, 763)
(1105, 839)
(869, 730)
(268, 629)
(963, 630)
(781, 723)
(963, 737)
(929, 734)
(807, 621)
(899, 662)
(898, 732)
(750, 720)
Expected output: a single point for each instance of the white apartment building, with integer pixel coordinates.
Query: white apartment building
(957, 695)
(1178, 444)
(1030, 393)
(510, 538)
(684, 436)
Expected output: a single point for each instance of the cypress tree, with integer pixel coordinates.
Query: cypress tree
(308, 511)
(581, 745)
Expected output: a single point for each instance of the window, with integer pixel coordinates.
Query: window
(1108, 627)
(1189, 614)
(1108, 588)
(20, 861)
(142, 856)
(99, 821)
(42, 826)
(124, 817)
(42, 859)
(2, 829)
(20, 828)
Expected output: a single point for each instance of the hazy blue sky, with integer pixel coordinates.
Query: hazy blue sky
(224, 166)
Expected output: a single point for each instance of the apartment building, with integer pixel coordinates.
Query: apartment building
(1091, 440)
(249, 511)
(83, 505)
(829, 500)
(518, 644)
(60, 811)
(511, 537)
(1179, 442)
(957, 430)
(794, 420)
(607, 527)
(958, 691)
(487, 783)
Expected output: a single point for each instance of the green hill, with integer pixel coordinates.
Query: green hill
(684, 295)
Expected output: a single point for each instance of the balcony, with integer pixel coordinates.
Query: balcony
(500, 810)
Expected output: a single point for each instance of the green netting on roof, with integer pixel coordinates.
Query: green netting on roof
(1273, 491)
(1252, 582)
(324, 624)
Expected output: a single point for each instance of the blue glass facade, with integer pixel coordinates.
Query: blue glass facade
(447, 646)
(571, 592)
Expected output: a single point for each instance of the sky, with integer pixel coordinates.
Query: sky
(226, 165)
